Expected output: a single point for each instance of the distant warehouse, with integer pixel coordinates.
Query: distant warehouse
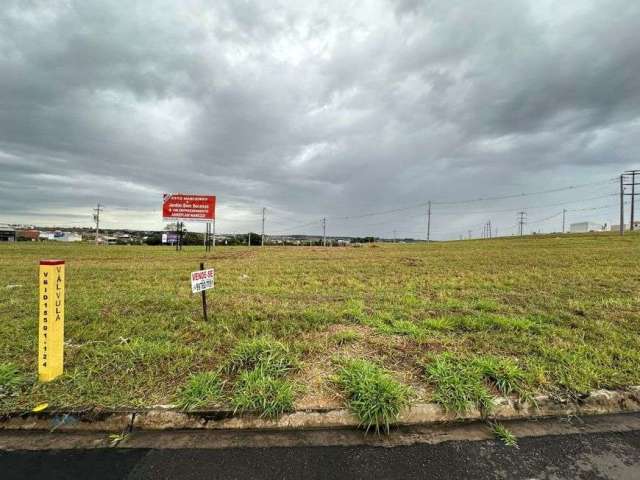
(7, 233)
(636, 226)
(584, 227)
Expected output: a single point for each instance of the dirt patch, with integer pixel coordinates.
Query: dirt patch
(399, 354)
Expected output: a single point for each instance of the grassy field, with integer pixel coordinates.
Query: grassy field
(381, 325)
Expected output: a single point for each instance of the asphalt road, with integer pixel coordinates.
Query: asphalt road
(589, 455)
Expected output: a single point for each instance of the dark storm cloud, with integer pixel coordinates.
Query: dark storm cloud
(332, 109)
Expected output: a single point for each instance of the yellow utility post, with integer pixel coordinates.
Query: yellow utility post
(51, 320)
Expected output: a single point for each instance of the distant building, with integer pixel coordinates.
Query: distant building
(124, 238)
(7, 233)
(636, 226)
(28, 234)
(107, 240)
(584, 227)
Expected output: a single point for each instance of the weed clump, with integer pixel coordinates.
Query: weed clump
(264, 353)
(259, 391)
(461, 384)
(11, 380)
(201, 389)
(503, 433)
(373, 394)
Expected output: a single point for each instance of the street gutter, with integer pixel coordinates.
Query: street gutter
(598, 402)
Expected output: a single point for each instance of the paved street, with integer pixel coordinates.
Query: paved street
(590, 454)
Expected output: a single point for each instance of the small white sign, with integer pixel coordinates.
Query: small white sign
(202, 280)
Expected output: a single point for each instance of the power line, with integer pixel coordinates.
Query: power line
(458, 212)
(479, 199)
(541, 220)
(446, 212)
(296, 227)
(518, 195)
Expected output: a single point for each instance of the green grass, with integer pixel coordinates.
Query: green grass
(507, 377)
(564, 309)
(458, 385)
(345, 337)
(266, 354)
(372, 393)
(261, 392)
(503, 433)
(463, 383)
(201, 389)
(11, 380)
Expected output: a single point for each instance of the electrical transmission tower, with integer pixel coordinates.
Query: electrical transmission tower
(96, 218)
(522, 220)
(486, 230)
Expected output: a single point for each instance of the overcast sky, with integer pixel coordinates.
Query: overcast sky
(335, 109)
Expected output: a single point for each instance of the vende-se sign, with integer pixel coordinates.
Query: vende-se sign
(191, 208)
(202, 280)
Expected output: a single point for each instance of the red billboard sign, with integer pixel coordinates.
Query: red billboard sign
(190, 208)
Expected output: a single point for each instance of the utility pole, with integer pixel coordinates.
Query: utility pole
(621, 204)
(263, 212)
(633, 197)
(489, 227)
(324, 232)
(633, 184)
(429, 222)
(521, 222)
(96, 217)
(469, 232)
(564, 216)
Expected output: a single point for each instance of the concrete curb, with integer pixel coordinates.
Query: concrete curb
(599, 402)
